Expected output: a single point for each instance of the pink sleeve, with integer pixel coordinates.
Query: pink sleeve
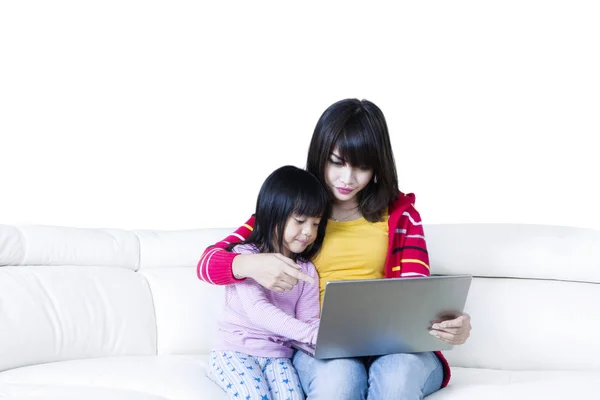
(269, 317)
(308, 308)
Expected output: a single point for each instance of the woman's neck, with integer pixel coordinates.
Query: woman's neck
(346, 211)
(344, 207)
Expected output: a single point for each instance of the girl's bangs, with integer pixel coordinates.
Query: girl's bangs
(310, 205)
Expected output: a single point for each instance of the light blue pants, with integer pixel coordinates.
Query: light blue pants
(245, 377)
(396, 376)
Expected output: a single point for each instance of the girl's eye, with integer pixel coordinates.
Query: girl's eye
(300, 221)
(335, 162)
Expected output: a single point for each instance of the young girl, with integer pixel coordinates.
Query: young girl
(374, 232)
(251, 359)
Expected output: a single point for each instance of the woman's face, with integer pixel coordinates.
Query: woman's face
(344, 180)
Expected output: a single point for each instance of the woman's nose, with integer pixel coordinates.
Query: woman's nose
(346, 174)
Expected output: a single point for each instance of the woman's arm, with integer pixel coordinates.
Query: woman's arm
(455, 331)
(218, 266)
(215, 265)
(415, 258)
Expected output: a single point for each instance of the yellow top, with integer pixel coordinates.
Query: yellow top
(352, 250)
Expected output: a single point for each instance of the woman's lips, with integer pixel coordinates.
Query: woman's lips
(344, 190)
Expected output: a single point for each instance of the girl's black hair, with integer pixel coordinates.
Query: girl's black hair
(288, 190)
(359, 131)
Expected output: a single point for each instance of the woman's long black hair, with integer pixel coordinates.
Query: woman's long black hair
(288, 190)
(359, 131)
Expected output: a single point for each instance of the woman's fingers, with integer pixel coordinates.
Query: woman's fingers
(454, 331)
(275, 272)
(290, 272)
(449, 337)
(293, 275)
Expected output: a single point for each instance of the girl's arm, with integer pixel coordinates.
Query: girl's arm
(308, 307)
(273, 271)
(262, 313)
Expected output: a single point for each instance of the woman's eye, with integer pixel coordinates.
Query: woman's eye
(335, 162)
(300, 221)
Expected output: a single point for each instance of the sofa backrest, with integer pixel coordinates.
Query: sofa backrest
(68, 293)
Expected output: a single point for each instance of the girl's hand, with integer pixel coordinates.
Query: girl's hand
(271, 270)
(454, 331)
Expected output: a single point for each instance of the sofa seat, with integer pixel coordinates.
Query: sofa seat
(132, 378)
(59, 392)
(184, 377)
(489, 384)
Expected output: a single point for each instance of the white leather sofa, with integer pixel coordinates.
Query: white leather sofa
(114, 314)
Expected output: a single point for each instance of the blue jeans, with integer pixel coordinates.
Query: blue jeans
(395, 376)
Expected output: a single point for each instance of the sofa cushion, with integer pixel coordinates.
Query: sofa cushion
(515, 251)
(54, 245)
(530, 324)
(477, 384)
(170, 377)
(172, 249)
(64, 392)
(57, 313)
(186, 308)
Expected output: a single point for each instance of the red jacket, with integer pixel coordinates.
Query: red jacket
(407, 252)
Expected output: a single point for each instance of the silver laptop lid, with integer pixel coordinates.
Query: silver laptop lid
(387, 316)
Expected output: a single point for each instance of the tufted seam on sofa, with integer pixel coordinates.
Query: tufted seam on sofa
(24, 244)
(139, 257)
(154, 312)
(137, 268)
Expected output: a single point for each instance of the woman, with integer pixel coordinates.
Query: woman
(374, 232)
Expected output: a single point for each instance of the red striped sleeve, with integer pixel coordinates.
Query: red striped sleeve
(215, 264)
(413, 258)
(409, 256)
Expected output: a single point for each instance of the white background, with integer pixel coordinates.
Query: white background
(169, 115)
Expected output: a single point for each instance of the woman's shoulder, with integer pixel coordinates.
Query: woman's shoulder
(403, 202)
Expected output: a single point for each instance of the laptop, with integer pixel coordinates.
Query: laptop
(386, 316)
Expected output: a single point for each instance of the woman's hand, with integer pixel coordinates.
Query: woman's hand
(271, 270)
(453, 331)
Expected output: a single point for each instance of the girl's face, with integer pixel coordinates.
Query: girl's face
(345, 181)
(299, 233)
